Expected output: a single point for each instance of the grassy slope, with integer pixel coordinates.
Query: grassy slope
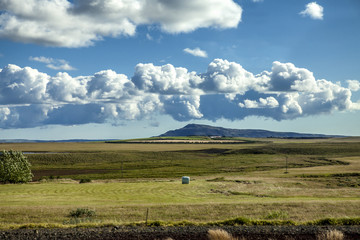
(227, 181)
(175, 160)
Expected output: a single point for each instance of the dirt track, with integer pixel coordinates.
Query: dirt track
(180, 233)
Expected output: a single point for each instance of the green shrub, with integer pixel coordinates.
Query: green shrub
(234, 222)
(156, 224)
(86, 180)
(14, 167)
(82, 213)
(43, 178)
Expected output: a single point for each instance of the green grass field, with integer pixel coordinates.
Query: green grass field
(227, 181)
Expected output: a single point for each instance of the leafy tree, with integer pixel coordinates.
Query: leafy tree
(14, 167)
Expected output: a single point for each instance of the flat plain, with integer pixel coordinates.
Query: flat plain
(267, 179)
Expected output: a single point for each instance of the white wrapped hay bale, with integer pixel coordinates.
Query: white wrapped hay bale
(185, 180)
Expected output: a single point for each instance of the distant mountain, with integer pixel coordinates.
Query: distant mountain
(206, 130)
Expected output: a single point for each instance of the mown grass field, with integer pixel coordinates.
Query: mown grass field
(227, 181)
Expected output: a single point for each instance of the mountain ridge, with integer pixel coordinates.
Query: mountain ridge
(207, 130)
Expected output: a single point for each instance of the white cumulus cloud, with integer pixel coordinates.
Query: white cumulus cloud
(353, 85)
(56, 64)
(166, 79)
(80, 23)
(30, 98)
(269, 102)
(197, 52)
(22, 85)
(228, 77)
(288, 77)
(108, 85)
(313, 10)
(64, 88)
(4, 112)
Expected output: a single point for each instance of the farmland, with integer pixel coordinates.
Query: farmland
(130, 180)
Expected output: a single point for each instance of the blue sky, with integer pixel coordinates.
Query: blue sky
(125, 69)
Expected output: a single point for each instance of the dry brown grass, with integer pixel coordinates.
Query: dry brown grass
(331, 235)
(220, 234)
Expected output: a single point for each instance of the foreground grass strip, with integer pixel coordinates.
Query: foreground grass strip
(336, 221)
(240, 221)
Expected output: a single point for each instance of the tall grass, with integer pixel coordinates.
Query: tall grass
(330, 235)
(219, 234)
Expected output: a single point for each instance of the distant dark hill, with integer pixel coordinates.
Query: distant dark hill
(43, 141)
(206, 130)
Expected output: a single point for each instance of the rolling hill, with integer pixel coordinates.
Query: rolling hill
(206, 130)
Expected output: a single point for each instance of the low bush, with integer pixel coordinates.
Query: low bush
(82, 213)
(156, 224)
(86, 180)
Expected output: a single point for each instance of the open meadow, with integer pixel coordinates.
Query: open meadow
(266, 179)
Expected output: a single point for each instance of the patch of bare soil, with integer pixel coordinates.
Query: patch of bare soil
(181, 233)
